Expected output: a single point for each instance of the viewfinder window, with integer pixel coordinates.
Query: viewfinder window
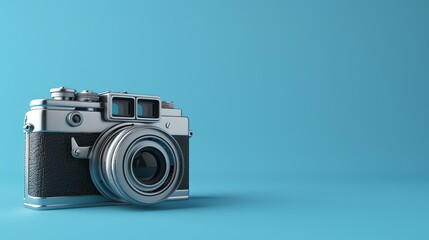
(147, 108)
(122, 107)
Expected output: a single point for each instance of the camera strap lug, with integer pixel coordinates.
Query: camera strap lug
(79, 152)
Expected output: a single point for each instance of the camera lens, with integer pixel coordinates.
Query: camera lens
(148, 165)
(136, 163)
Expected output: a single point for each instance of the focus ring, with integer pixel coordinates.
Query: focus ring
(112, 162)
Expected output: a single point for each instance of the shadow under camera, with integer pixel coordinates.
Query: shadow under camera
(192, 203)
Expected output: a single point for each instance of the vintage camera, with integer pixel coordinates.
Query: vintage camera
(89, 149)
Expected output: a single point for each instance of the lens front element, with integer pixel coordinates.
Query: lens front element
(148, 165)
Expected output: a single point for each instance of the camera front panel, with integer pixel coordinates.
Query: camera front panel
(53, 172)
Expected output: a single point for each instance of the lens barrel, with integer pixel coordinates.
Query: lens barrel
(136, 163)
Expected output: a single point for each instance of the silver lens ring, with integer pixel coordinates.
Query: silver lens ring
(95, 160)
(116, 166)
(110, 163)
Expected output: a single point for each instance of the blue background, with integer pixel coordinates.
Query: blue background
(310, 117)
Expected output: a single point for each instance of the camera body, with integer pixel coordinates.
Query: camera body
(89, 149)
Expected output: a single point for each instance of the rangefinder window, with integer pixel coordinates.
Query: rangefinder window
(147, 108)
(122, 107)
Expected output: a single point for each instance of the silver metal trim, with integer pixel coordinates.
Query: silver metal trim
(85, 201)
(62, 104)
(54, 120)
(181, 194)
(171, 112)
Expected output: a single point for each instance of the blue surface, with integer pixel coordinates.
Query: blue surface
(310, 118)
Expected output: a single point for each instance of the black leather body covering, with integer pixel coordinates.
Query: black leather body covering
(53, 172)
